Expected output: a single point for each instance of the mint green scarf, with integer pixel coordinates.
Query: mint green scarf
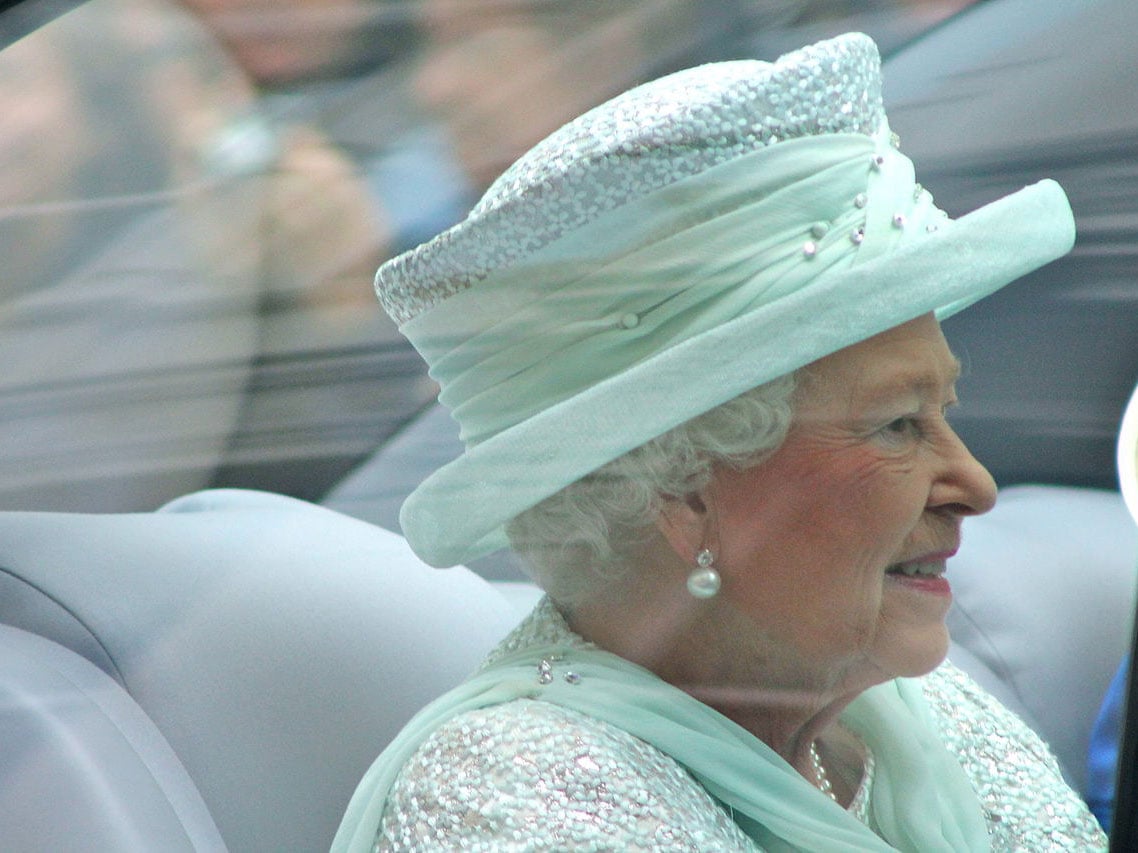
(921, 800)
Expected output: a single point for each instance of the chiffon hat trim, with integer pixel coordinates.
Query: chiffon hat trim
(624, 320)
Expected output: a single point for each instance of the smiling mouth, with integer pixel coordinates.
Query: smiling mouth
(918, 568)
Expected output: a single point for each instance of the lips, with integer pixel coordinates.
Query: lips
(923, 574)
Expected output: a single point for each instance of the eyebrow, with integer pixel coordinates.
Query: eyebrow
(907, 382)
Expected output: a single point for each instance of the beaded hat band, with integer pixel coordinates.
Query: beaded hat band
(687, 241)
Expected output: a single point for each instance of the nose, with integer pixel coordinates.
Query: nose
(963, 485)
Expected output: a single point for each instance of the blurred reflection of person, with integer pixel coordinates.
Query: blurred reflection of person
(37, 96)
(166, 255)
(284, 43)
(430, 111)
(326, 364)
(119, 288)
(497, 77)
(434, 99)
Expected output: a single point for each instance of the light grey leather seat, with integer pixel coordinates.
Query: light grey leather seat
(84, 767)
(1044, 589)
(261, 651)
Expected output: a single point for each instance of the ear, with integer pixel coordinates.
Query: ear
(684, 523)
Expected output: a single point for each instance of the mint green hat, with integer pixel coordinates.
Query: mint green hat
(682, 243)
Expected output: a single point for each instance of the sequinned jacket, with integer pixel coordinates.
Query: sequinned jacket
(530, 775)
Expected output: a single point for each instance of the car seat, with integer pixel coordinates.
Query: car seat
(221, 672)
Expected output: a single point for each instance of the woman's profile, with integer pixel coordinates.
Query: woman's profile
(692, 341)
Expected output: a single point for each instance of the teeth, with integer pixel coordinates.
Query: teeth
(912, 569)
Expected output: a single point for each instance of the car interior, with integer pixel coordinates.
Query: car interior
(210, 624)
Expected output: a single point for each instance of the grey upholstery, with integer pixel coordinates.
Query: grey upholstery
(276, 646)
(264, 650)
(1044, 590)
(84, 768)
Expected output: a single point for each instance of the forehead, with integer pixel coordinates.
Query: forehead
(911, 358)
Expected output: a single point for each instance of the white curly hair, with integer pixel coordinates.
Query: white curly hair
(580, 539)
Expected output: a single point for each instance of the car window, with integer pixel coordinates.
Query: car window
(196, 194)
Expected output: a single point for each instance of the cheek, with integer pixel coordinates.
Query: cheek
(877, 500)
(811, 541)
(841, 513)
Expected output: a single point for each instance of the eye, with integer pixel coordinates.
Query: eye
(901, 428)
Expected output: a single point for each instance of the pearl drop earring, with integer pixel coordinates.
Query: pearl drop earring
(703, 582)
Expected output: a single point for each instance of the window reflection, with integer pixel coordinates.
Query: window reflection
(197, 193)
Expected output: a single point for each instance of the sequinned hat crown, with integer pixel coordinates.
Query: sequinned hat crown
(648, 137)
(681, 244)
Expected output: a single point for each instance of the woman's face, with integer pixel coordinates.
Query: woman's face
(503, 76)
(871, 480)
(283, 41)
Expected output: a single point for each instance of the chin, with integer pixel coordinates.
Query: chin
(917, 656)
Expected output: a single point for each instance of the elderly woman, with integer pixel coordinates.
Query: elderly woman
(692, 341)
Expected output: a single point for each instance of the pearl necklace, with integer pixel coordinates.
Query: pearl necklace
(821, 778)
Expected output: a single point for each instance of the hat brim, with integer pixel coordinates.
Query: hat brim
(459, 511)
